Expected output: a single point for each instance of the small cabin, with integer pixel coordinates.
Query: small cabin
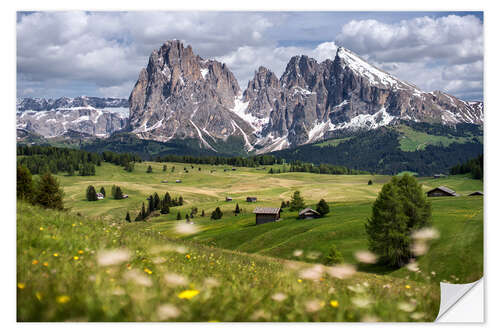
(439, 175)
(100, 196)
(229, 199)
(309, 213)
(251, 199)
(442, 191)
(125, 196)
(266, 214)
(476, 193)
(164, 181)
(178, 181)
(233, 169)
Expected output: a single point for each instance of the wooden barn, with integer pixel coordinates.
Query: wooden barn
(266, 214)
(309, 213)
(441, 191)
(476, 193)
(251, 199)
(229, 199)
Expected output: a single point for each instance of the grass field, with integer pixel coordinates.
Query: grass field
(412, 140)
(457, 256)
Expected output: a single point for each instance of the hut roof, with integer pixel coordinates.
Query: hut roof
(307, 210)
(266, 210)
(476, 193)
(444, 189)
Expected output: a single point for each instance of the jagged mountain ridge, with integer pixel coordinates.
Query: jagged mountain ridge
(86, 116)
(180, 95)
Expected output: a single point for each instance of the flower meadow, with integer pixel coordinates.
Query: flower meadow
(70, 268)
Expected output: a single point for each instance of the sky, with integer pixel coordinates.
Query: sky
(77, 53)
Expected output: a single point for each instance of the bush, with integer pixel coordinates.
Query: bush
(333, 257)
(322, 207)
(150, 169)
(400, 208)
(216, 214)
(370, 182)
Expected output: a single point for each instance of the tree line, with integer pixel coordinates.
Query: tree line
(156, 203)
(473, 166)
(323, 168)
(238, 161)
(45, 192)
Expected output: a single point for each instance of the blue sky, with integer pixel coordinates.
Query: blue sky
(101, 53)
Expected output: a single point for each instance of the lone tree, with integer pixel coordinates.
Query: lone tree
(322, 207)
(24, 183)
(216, 214)
(118, 193)
(237, 210)
(400, 208)
(202, 213)
(103, 191)
(297, 202)
(370, 182)
(150, 169)
(127, 218)
(179, 216)
(333, 257)
(48, 193)
(91, 193)
(164, 168)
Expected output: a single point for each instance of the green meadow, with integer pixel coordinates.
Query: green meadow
(250, 264)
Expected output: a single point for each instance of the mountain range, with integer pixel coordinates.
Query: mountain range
(179, 96)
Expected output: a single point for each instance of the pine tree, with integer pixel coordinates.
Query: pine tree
(237, 210)
(24, 183)
(91, 193)
(144, 214)
(322, 207)
(216, 214)
(173, 169)
(150, 169)
(370, 182)
(283, 205)
(271, 171)
(333, 257)
(297, 202)
(187, 218)
(164, 168)
(103, 191)
(179, 216)
(164, 207)
(113, 191)
(156, 201)
(181, 200)
(127, 218)
(150, 204)
(118, 193)
(167, 199)
(48, 193)
(202, 213)
(71, 170)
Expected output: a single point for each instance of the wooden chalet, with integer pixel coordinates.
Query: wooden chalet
(476, 193)
(442, 191)
(178, 181)
(309, 213)
(251, 199)
(100, 196)
(229, 199)
(266, 214)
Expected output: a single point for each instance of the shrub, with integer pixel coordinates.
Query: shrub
(48, 193)
(370, 182)
(322, 207)
(216, 214)
(333, 257)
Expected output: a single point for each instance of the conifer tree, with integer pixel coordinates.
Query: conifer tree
(91, 193)
(370, 182)
(297, 202)
(187, 218)
(118, 193)
(48, 192)
(322, 207)
(103, 191)
(164, 168)
(150, 204)
(150, 169)
(181, 200)
(179, 216)
(113, 191)
(216, 214)
(24, 183)
(127, 218)
(237, 210)
(156, 201)
(202, 213)
(167, 199)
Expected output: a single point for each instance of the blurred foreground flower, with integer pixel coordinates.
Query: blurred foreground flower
(175, 280)
(62, 299)
(366, 257)
(112, 257)
(298, 253)
(341, 271)
(186, 228)
(425, 234)
(334, 304)
(188, 294)
(211, 282)
(361, 302)
(279, 297)
(314, 305)
(407, 307)
(137, 277)
(314, 273)
(167, 311)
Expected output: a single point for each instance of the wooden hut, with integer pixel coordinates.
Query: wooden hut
(266, 214)
(309, 213)
(476, 193)
(229, 199)
(441, 191)
(251, 199)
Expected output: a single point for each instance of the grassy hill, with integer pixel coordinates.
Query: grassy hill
(245, 290)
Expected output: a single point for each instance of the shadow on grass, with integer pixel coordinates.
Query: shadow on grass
(376, 268)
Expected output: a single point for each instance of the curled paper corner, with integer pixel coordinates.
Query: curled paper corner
(452, 297)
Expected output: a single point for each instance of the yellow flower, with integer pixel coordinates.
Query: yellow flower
(188, 256)
(407, 286)
(41, 228)
(188, 294)
(334, 304)
(299, 280)
(147, 270)
(80, 251)
(56, 254)
(75, 257)
(62, 299)
(46, 264)
(35, 262)
(21, 285)
(73, 225)
(38, 295)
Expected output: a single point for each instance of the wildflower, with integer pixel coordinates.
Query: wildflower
(167, 311)
(80, 251)
(334, 304)
(175, 280)
(211, 282)
(21, 285)
(361, 302)
(159, 260)
(366, 257)
(35, 262)
(299, 280)
(186, 229)
(417, 315)
(298, 253)
(407, 286)
(407, 307)
(419, 248)
(425, 234)
(413, 266)
(76, 258)
(314, 273)
(313, 255)
(147, 270)
(188, 294)
(56, 254)
(188, 256)
(279, 297)
(41, 228)
(46, 264)
(138, 278)
(38, 295)
(313, 305)
(357, 289)
(62, 299)
(370, 319)
(73, 225)
(112, 257)
(433, 273)
(260, 314)
(341, 271)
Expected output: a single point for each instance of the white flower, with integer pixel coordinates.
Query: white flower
(186, 228)
(425, 234)
(313, 273)
(138, 278)
(279, 297)
(361, 302)
(341, 271)
(167, 311)
(211, 282)
(112, 257)
(407, 307)
(175, 280)
(366, 257)
(313, 305)
(298, 253)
